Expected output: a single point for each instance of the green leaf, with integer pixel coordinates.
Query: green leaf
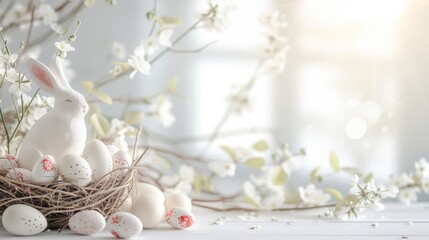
(87, 85)
(315, 175)
(230, 151)
(278, 176)
(134, 117)
(102, 96)
(197, 184)
(292, 198)
(124, 65)
(172, 84)
(255, 162)
(169, 21)
(334, 161)
(250, 201)
(352, 171)
(100, 124)
(261, 145)
(335, 193)
(368, 178)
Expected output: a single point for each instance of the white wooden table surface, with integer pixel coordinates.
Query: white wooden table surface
(396, 222)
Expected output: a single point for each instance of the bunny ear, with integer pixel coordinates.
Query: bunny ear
(60, 73)
(43, 76)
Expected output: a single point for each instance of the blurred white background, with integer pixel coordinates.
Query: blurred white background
(355, 80)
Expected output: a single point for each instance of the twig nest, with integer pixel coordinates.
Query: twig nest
(149, 209)
(179, 218)
(147, 189)
(124, 225)
(178, 200)
(98, 156)
(87, 222)
(23, 220)
(74, 169)
(45, 170)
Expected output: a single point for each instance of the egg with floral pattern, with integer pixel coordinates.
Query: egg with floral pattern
(20, 174)
(8, 162)
(179, 218)
(45, 170)
(124, 225)
(87, 222)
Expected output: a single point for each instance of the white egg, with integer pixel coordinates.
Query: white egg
(149, 209)
(147, 189)
(126, 205)
(98, 156)
(178, 200)
(21, 174)
(124, 225)
(121, 159)
(87, 222)
(112, 149)
(20, 219)
(45, 170)
(73, 168)
(8, 162)
(179, 218)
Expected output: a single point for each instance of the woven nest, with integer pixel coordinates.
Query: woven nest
(61, 200)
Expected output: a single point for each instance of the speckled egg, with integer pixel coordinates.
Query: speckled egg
(45, 170)
(179, 218)
(98, 156)
(8, 162)
(19, 174)
(178, 200)
(149, 209)
(23, 220)
(121, 159)
(73, 168)
(124, 225)
(87, 222)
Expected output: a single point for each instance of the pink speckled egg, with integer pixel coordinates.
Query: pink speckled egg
(8, 162)
(87, 222)
(45, 170)
(20, 174)
(124, 225)
(179, 218)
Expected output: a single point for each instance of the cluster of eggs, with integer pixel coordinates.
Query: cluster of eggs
(96, 161)
(148, 210)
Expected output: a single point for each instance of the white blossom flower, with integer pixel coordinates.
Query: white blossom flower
(8, 58)
(18, 82)
(164, 37)
(161, 106)
(217, 16)
(425, 185)
(422, 168)
(118, 50)
(263, 192)
(402, 180)
(312, 196)
(187, 173)
(150, 45)
(408, 195)
(47, 13)
(222, 168)
(138, 62)
(57, 28)
(37, 109)
(64, 47)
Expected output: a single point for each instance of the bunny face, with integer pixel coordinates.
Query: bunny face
(71, 102)
(68, 102)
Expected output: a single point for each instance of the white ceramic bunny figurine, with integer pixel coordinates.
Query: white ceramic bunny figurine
(60, 131)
